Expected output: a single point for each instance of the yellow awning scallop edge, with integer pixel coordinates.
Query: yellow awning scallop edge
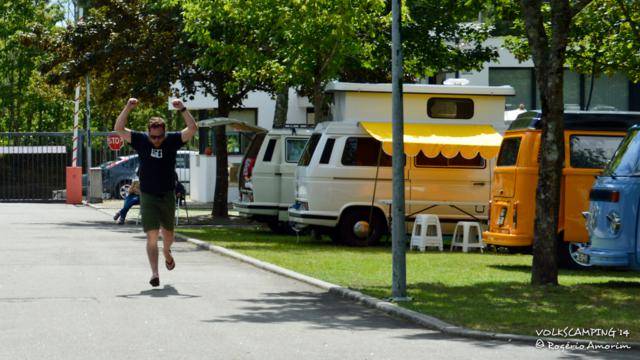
(446, 139)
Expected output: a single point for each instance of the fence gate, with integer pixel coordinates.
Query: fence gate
(32, 166)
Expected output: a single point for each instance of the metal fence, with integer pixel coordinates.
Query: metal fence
(32, 166)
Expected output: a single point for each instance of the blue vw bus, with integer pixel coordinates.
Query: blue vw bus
(613, 217)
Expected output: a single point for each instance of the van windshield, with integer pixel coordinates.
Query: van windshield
(305, 159)
(625, 160)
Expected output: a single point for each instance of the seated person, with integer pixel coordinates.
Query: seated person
(133, 198)
(181, 192)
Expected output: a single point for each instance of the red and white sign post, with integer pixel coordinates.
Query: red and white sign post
(115, 142)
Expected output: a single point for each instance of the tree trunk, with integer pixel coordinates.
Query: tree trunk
(282, 106)
(220, 197)
(318, 104)
(544, 269)
(548, 50)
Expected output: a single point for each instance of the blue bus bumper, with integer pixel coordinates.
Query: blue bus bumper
(610, 258)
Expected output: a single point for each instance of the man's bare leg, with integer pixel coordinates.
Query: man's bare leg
(152, 251)
(167, 241)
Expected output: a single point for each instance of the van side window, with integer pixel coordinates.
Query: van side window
(294, 148)
(509, 151)
(326, 152)
(268, 153)
(592, 152)
(307, 154)
(363, 151)
(458, 161)
(450, 108)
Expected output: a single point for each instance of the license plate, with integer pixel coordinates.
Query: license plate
(503, 215)
(583, 258)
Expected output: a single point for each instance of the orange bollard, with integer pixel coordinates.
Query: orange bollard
(74, 185)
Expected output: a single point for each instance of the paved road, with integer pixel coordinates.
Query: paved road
(74, 286)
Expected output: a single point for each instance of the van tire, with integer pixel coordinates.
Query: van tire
(566, 255)
(351, 217)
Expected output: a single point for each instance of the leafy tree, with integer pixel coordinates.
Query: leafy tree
(26, 102)
(444, 36)
(606, 40)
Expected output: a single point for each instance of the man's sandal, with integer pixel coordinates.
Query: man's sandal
(155, 281)
(170, 264)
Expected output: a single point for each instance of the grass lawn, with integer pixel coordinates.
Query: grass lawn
(479, 291)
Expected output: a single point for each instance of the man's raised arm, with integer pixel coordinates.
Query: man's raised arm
(192, 127)
(121, 121)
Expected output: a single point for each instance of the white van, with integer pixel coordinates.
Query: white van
(266, 176)
(344, 174)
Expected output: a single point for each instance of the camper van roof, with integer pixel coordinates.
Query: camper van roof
(305, 131)
(505, 90)
(581, 120)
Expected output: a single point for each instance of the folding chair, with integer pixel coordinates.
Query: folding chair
(181, 199)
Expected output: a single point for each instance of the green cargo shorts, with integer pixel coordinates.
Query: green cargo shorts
(158, 210)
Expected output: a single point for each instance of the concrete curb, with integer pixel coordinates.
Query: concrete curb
(386, 307)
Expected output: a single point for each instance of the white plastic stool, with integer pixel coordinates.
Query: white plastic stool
(426, 232)
(468, 234)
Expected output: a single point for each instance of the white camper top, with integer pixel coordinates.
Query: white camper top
(293, 131)
(354, 103)
(504, 90)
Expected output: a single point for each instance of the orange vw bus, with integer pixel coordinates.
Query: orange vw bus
(590, 138)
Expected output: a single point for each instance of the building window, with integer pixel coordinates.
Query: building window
(609, 92)
(522, 81)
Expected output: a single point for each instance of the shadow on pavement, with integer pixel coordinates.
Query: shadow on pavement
(320, 310)
(166, 291)
(324, 311)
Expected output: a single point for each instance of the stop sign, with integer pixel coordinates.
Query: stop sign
(115, 142)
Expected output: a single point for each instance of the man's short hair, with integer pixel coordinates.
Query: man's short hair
(156, 122)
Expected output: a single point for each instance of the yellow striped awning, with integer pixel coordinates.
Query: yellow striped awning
(433, 139)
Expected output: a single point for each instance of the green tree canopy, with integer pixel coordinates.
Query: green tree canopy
(26, 102)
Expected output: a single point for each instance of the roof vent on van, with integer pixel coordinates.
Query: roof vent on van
(456, 81)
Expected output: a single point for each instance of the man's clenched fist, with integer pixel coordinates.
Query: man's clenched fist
(133, 102)
(177, 104)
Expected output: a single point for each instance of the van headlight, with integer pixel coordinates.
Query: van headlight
(615, 222)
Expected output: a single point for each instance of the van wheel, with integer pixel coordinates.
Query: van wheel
(355, 229)
(568, 255)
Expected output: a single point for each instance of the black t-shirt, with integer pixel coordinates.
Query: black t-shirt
(157, 165)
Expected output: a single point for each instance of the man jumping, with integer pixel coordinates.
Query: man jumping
(157, 151)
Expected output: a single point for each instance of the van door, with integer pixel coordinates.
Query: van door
(266, 175)
(292, 150)
(587, 153)
(504, 201)
(245, 172)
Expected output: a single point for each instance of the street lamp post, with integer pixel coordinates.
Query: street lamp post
(398, 240)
